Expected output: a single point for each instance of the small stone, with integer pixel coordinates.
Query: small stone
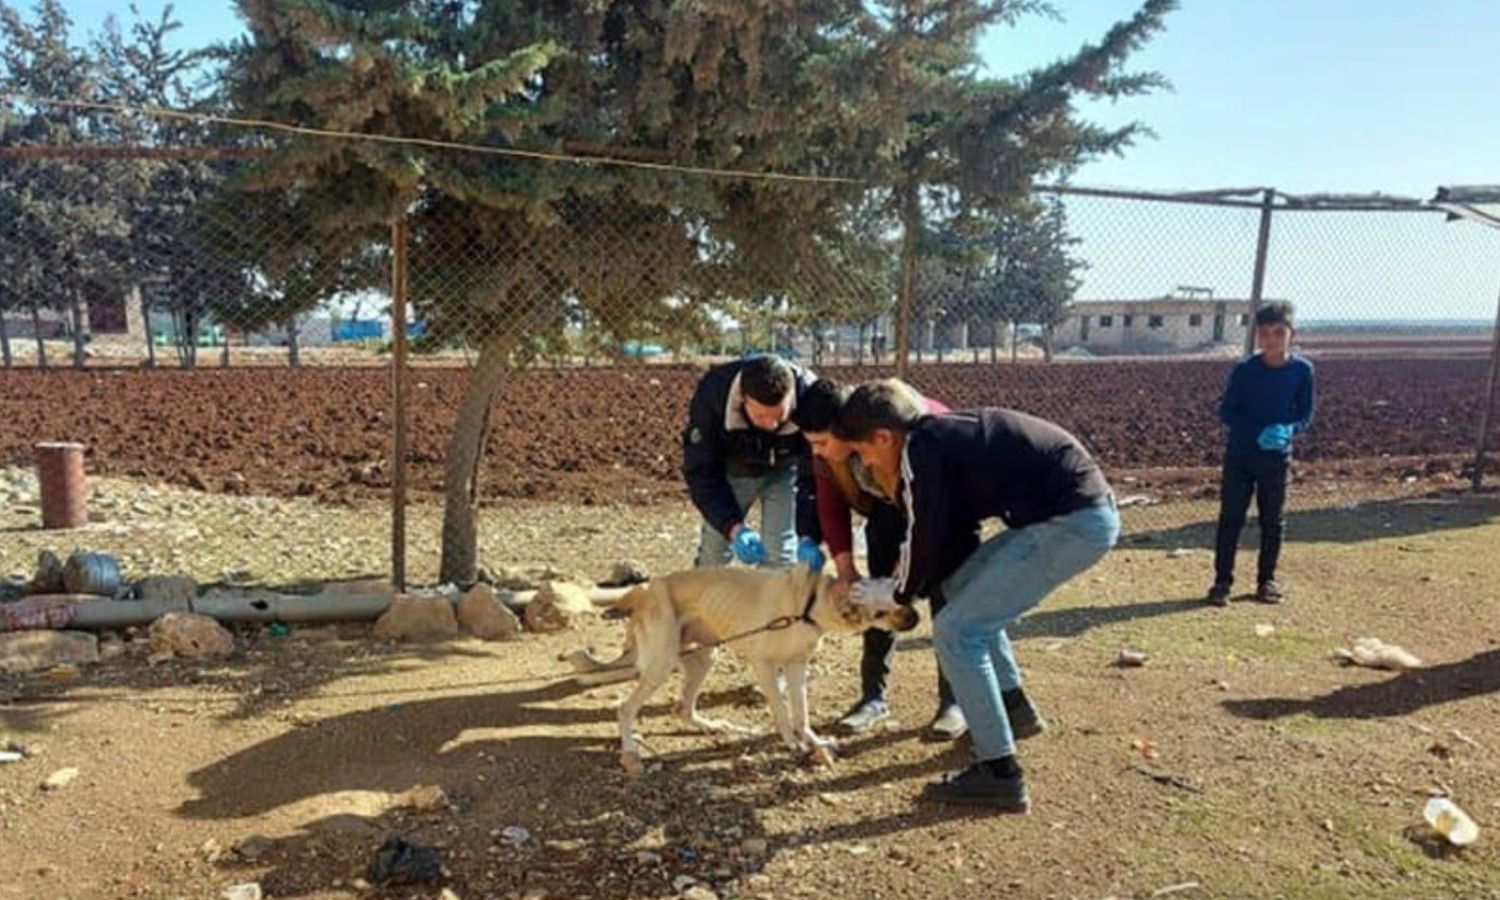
(1180, 552)
(1130, 659)
(1264, 629)
(699, 892)
(190, 635)
(625, 573)
(682, 883)
(448, 894)
(249, 890)
(175, 591)
(426, 798)
(557, 606)
(60, 779)
(754, 846)
(210, 851)
(647, 858)
(485, 616)
(253, 847)
(417, 619)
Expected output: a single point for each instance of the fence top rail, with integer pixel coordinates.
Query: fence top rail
(1245, 198)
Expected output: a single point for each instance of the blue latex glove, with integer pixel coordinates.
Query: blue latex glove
(1275, 437)
(748, 547)
(811, 554)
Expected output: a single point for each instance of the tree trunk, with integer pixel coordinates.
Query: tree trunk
(859, 347)
(224, 352)
(76, 311)
(36, 331)
(5, 339)
(1047, 344)
(293, 343)
(150, 338)
(1015, 343)
(460, 555)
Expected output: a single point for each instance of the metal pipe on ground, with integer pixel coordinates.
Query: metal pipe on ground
(90, 612)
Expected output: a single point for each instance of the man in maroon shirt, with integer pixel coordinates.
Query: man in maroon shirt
(843, 486)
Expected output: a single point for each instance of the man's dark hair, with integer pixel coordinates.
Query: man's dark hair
(819, 406)
(1277, 312)
(766, 379)
(889, 404)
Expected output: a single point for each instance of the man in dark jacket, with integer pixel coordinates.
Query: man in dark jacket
(741, 446)
(951, 473)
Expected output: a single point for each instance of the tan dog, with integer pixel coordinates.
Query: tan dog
(698, 609)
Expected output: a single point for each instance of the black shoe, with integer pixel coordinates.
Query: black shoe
(1269, 592)
(1218, 595)
(976, 786)
(1025, 721)
(865, 715)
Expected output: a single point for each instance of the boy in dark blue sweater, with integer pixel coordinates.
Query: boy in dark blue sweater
(1268, 401)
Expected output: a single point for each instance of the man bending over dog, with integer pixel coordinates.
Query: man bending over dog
(953, 472)
(741, 445)
(846, 485)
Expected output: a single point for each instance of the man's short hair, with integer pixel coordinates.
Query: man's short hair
(819, 406)
(766, 379)
(889, 403)
(1277, 312)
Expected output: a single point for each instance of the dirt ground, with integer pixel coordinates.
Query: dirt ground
(1238, 762)
(599, 436)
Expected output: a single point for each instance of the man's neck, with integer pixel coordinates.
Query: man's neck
(1275, 362)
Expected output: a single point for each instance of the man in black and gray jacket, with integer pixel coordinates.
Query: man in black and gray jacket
(950, 473)
(740, 446)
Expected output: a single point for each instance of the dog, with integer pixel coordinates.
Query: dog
(774, 619)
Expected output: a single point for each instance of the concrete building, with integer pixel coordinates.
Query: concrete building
(1186, 322)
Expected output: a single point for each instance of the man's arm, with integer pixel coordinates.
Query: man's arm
(835, 518)
(703, 465)
(1306, 401)
(1232, 406)
(924, 496)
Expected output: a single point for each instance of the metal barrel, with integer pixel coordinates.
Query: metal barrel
(92, 573)
(60, 471)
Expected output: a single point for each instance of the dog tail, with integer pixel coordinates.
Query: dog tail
(627, 604)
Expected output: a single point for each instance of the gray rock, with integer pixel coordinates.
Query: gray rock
(485, 616)
(417, 619)
(176, 591)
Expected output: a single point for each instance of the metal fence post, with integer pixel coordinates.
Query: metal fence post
(399, 396)
(1258, 281)
(1487, 412)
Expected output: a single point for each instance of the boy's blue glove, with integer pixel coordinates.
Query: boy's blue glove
(748, 547)
(1275, 437)
(809, 553)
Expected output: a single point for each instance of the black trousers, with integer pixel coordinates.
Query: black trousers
(884, 531)
(1263, 475)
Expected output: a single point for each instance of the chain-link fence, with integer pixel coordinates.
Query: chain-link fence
(1117, 314)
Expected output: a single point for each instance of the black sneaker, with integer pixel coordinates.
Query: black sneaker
(865, 715)
(976, 786)
(1269, 592)
(1218, 595)
(1025, 721)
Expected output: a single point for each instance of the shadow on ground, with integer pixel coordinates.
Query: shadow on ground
(1405, 517)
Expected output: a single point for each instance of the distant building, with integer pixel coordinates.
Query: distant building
(1190, 320)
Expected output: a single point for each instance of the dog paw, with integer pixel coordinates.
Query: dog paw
(822, 755)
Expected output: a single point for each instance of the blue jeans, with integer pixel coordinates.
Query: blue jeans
(1007, 576)
(777, 492)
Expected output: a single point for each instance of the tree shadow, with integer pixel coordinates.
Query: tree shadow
(1403, 517)
(1406, 693)
(263, 673)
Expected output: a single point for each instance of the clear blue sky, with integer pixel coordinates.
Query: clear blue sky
(1301, 95)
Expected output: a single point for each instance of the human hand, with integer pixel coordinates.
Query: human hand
(810, 554)
(747, 546)
(1275, 437)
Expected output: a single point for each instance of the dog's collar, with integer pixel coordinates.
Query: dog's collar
(812, 599)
